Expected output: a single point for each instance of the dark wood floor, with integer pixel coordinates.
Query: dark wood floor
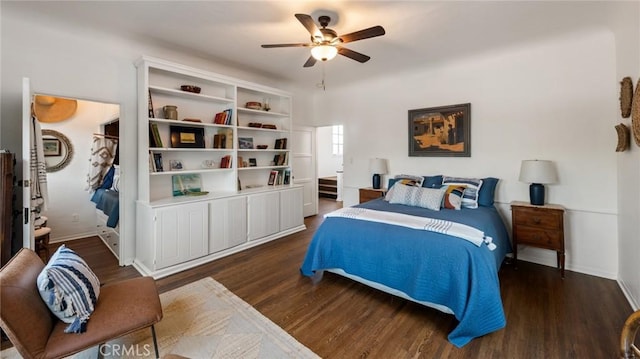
(547, 317)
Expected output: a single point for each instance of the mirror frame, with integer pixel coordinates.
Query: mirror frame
(69, 147)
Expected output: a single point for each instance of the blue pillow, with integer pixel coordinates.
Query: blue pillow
(487, 191)
(107, 181)
(432, 181)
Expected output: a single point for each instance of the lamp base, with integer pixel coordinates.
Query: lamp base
(376, 181)
(536, 194)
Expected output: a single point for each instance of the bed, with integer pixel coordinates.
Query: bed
(445, 272)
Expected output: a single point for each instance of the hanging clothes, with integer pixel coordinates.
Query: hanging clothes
(39, 189)
(103, 150)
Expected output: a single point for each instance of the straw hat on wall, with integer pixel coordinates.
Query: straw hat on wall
(53, 109)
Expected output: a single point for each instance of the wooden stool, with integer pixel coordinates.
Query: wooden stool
(42, 241)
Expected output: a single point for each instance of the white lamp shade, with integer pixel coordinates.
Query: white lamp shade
(324, 52)
(378, 165)
(538, 171)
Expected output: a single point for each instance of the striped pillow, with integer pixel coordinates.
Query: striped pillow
(430, 198)
(470, 197)
(69, 288)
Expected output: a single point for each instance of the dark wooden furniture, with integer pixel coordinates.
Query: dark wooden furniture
(369, 193)
(538, 226)
(6, 205)
(628, 348)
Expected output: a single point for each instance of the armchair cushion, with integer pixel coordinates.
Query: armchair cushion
(69, 288)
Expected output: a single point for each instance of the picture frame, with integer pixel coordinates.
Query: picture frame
(184, 184)
(272, 178)
(443, 131)
(253, 162)
(187, 137)
(51, 147)
(245, 143)
(176, 165)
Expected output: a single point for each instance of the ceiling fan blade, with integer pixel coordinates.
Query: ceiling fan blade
(310, 62)
(311, 26)
(285, 45)
(353, 54)
(363, 34)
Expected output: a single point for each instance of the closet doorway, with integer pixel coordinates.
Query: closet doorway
(77, 136)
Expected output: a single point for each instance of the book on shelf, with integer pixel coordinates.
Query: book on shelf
(157, 159)
(151, 113)
(228, 137)
(225, 161)
(152, 163)
(287, 176)
(155, 133)
(219, 141)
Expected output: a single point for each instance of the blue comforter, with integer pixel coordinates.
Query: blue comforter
(427, 266)
(109, 202)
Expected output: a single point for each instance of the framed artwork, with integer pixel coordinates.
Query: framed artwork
(443, 131)
(245, 143)
(186, 184)
(272, 178)
(253, 162)
(187, 137)
(176, 165)
(51, 147)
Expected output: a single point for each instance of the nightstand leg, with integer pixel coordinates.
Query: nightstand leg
(515, 256)
(560, 256)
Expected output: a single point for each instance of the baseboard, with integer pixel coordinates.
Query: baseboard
(627, 293)
(551, 262)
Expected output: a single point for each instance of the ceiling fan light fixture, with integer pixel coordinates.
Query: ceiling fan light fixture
(324, 52)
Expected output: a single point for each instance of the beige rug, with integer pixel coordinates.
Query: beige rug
(204, 320)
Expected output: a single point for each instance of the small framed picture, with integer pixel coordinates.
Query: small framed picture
(187, 137)
(176, 165)
(253, 162)
(272, 178)
(51, 147)
(245, 143)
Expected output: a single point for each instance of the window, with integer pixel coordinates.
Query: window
(337, 140)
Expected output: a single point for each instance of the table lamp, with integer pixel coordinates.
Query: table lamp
(377, 166)
(538, 173)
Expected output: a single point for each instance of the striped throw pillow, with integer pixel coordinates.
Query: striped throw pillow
(69, 288)
(471, 192)
(430, 198)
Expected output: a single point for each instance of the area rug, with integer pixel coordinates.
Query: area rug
(203, 320)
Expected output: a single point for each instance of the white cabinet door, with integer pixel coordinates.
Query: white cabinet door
(227, 223)
(182, 233)
(291, 202)
(264, 213)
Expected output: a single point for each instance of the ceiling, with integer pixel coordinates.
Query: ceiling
(418, 33)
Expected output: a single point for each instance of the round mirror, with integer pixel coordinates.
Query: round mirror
(58, 150)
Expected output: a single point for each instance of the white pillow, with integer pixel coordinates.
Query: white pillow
(471, 192)
(116, 178)
(430, 198)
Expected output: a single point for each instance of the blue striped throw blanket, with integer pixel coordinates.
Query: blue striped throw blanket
(69, 288)
(454, 229)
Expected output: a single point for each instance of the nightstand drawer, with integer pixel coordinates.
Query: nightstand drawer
(539, 237)
(538, 218)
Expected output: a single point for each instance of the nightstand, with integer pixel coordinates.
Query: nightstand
(369, 193)
(538, 226)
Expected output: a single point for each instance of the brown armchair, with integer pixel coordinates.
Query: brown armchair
(122, 308)
(628, 349)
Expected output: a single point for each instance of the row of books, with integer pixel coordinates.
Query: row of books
(223, 118)
(281, 177)
(223, 139)
(154, 136)
(226, 161)
(155, 162)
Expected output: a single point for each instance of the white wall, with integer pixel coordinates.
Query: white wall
(328, 163)
(549, 100)
(67, 61)
(67, 194)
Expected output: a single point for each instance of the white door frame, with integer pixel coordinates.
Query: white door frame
(304, 154)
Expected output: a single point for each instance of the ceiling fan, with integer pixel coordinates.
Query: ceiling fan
(326, 44)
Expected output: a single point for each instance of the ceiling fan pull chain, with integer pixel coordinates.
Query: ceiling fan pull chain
(321, 84)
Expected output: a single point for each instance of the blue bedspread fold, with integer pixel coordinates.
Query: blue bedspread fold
(109, 202)
(427, 266)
